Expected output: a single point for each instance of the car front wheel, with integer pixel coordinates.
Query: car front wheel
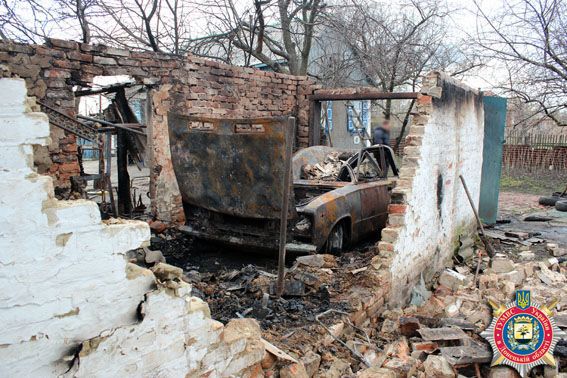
(335, 242)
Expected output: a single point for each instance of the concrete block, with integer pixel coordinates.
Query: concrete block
(515, 276)
(453, 280)
(526, 255)
(437, 366)
(311, 362)
(502, 265)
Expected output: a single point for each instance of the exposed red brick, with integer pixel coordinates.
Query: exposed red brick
(72, 147)
(397, 209)
(69, 167)
(60, 63)
(63, 43)
(221, 90)
(413, 140)
(41, 50)
(426, 346)
(424, 99)
(77, 55)
(375, 308)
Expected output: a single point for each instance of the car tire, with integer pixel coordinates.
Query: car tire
(561, 205)
(336, 239)
(548, 201)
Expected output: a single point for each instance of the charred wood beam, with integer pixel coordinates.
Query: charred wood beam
(117, 125)
(289, 134)
(315, 123)
(124, 148)
(124, 199)
(361, 93)
(108, 89)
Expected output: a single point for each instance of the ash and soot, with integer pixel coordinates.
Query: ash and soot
(239, 284)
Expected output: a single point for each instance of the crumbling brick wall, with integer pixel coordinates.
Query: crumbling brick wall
(429, 210)
(190, 85)
(72, 305)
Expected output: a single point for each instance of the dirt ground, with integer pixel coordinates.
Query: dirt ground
(539, 182)
(516, 207)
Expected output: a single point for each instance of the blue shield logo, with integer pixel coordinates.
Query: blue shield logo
(523, 299)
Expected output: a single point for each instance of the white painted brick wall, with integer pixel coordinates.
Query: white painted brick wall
(66, 286)
(452, 145)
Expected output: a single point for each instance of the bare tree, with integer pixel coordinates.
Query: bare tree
(33, 20)
(80, 12)
(393, 47)
(527, 117)
(278, 33)
(135, 23)
(26, 20)
(333, 63)
(528, 39)
(157, 25)
(228, 35)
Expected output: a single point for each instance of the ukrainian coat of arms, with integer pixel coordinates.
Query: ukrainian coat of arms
(523, 333)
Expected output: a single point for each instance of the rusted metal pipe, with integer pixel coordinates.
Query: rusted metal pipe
(118, 126)
(478, 222)
(487, 245)
(362, 93)
(289, 132)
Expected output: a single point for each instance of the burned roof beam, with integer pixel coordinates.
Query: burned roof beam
(106, 89)
(117, 125)
(360, 93)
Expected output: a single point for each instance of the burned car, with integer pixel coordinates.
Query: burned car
(345, 201)
(230, 174)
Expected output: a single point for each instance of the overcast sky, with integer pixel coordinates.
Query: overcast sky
(460, 21)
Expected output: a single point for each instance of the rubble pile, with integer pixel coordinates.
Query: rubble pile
(328, 170)
(440, 337)
(331, 321)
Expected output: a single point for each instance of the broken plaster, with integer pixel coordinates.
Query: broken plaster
(70, 296)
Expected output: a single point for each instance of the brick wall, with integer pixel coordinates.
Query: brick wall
(189, 85)
(429, 211)
(72, 305)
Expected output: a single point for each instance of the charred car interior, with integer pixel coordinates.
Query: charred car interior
(232, 190)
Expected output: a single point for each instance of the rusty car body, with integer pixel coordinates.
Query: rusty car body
(230, 174)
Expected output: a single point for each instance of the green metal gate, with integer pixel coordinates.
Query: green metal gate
(494, 124)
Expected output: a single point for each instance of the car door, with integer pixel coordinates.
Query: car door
(374, 199)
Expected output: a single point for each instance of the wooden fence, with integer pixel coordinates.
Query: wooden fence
(517, 138)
